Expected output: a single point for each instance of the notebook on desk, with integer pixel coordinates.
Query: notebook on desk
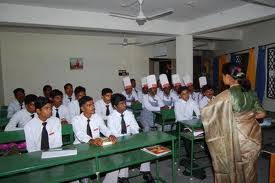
(55, 153)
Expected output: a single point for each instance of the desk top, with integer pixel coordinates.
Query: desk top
(32, 161)
(194, 123)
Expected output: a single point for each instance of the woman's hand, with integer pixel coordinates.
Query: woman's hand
(260, 114)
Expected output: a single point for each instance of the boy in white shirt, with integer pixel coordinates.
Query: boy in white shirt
(151, 103)
(47, 89)
(43, 132)
(208, 94)
(22, 117)
(68, 96)
(18, 103)
(59, 110)
(134, 86)
(122, 122)
(103, 107)
(196, 96)
(88, 125)
(176, 86)
(128, 92)
(166, 96)
(74, 109)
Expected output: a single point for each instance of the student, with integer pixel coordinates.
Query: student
(196, 96)
(159, 89)
(68, 96)
(88, 125)
(18, 103)
(185, 107)
(59, 110)
(22, 117)
(74, 109)
(128, 92)
(122, 123)
(166, 96)
(144, 89)
(151, 103)
(103, 107)
(176, 86)
(47, 89)
(208, 94)
(134, 86)
(43, 132)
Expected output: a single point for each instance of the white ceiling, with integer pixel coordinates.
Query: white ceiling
(184, 9)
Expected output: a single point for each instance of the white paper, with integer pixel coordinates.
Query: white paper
(58, 153)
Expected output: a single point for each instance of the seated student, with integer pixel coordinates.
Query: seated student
(47, 89)
(134, 86)
(59, 110)
(43, 131)
(121, 123)
(208, 94)
(185, 107)
(159, 89)
(22, 117)
(151, 103)
(74, 109)
(18, 103)
(166, 97)
(68, 97)
(196, 96)
(176, 86)
(103, 107)
(144, 89)
(88, 125)
(128, 92)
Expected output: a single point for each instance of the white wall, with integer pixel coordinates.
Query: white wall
(31, 60)
(1, 82)
(253, 36)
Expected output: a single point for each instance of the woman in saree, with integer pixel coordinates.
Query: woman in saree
(232, 132)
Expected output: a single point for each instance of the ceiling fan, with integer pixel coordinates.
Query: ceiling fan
(268, 3)
(141, 18)
(125, 42)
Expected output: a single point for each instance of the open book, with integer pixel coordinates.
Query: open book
(156, 150)
(197, 132)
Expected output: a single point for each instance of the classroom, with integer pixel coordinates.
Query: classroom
(120, 91)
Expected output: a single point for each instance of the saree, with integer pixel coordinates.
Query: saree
(233, 135)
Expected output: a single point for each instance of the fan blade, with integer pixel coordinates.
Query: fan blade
(262, 3)
(161, 14)
(115, 44)
(120, 15)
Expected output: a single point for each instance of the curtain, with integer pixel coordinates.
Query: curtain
(251, 68)
(260, 73)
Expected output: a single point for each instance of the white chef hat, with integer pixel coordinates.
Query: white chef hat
(176, 80)
(151, 81)
(127, 82)
(144, 82)
(187, 80)
(202, 81)
(164, 80)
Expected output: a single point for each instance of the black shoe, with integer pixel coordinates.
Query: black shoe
(147, 176)
(123, 180)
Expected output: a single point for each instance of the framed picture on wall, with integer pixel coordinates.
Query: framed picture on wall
(76, 63)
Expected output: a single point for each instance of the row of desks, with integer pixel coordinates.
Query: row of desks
(90, 160)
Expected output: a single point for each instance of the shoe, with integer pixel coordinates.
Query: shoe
(147, 176)
(123, 180)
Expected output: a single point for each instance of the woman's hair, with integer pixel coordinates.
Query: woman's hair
(237, 73)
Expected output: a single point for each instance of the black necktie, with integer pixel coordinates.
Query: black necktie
(107, 110)
(123, 125)
(57, 114)
(32, 115)
(44, 138)
(89, 132)
(21, 106)
(70, 98)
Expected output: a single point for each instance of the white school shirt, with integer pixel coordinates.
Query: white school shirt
(184, 109)
(33, 132)
(96, 124)
(66, 100)
(168, 100)
(13, 107)
(175, 95)
(204, 101)
(74, 109)
(19, 120)
(130, 97)
(114, 123)
(196, 96)
(100, 108)
(63, 112)
(152, 104)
